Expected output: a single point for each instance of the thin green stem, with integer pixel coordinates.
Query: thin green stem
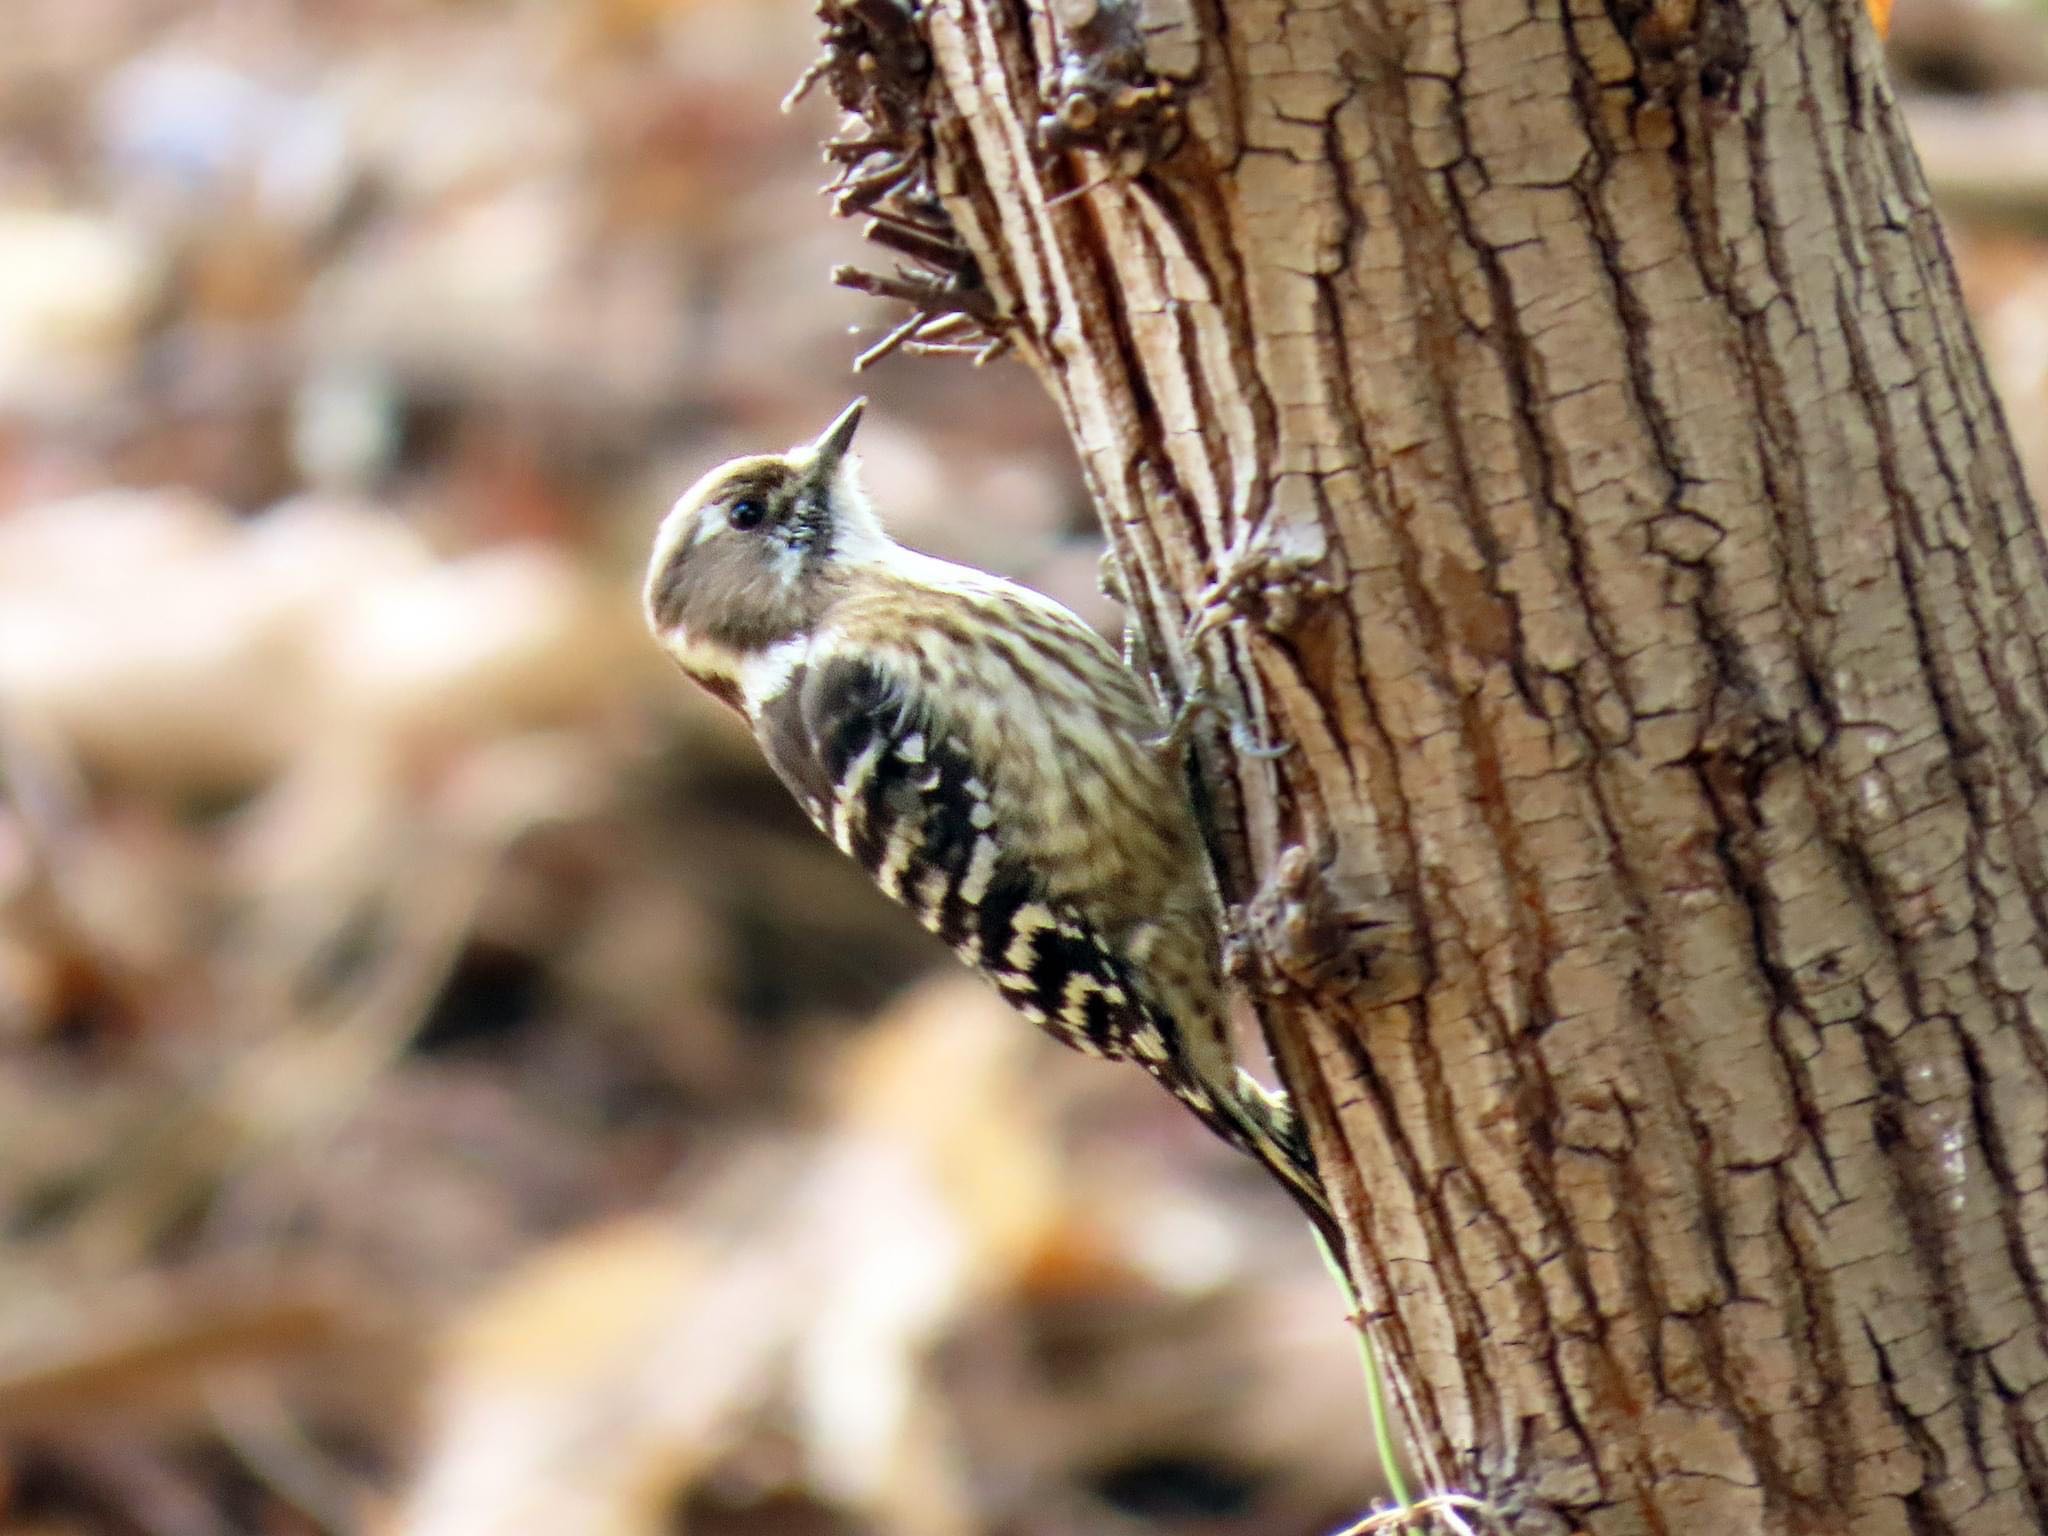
(1375, 1385)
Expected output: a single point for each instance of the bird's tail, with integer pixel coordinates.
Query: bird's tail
(1192, 1059)
(1261, 1123)
(1266, 1126)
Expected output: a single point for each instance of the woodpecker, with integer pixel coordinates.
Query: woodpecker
(985, 756)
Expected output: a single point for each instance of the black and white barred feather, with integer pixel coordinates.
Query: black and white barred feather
(890, 784)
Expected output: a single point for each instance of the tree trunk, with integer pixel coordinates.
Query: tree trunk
(1575, 418)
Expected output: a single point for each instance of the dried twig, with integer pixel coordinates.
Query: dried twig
(875, 62)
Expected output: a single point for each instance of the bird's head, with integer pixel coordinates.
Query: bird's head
(750, 554)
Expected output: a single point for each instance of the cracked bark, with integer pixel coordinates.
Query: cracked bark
(1580, 412)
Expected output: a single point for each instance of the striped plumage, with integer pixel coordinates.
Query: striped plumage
(983, 754)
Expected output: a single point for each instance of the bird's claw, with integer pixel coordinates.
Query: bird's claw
(1202, 702)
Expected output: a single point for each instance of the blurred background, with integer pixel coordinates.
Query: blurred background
(444, 1086)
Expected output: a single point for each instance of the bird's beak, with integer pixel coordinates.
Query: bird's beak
(832, 443)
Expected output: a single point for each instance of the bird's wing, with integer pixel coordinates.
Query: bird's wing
(893, 787)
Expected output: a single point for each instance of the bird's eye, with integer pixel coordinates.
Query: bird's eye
(746, 514)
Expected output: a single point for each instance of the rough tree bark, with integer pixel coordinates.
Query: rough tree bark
(1575, 418)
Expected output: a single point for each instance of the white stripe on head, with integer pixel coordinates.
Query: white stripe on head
(689, 520)
(711, 520)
